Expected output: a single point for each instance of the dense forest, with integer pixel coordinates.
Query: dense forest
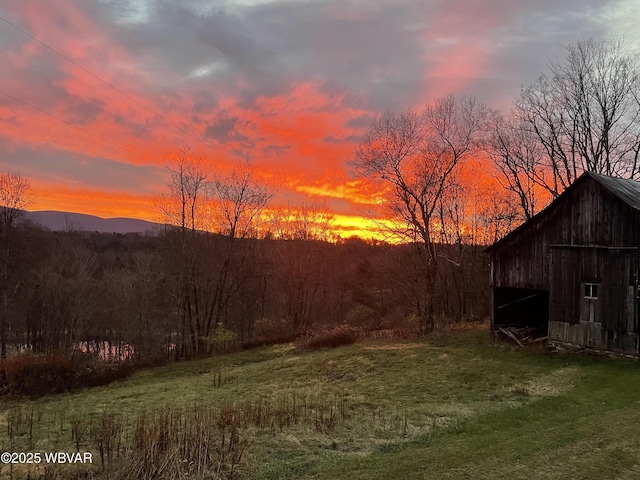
(140, 296)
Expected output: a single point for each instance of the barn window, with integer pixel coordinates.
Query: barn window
(591, 291)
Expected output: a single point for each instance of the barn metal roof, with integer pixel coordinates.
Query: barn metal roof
(626, 190)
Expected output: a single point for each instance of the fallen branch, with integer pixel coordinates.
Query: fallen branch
(541, 339)
(510, 334)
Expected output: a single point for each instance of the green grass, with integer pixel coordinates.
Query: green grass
(451, 406)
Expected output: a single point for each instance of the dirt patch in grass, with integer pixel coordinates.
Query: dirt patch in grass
(552, 384)
(284, 348)
(395, 346)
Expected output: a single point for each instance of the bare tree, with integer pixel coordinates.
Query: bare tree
(185, 203)
(413, 156)
(185, 207)
(306, 221)
(240, 201)
(311, 221)
(584, 116)
(134, 302)
(466, 220)
(496, 215)
(65, 299)
(209, 270)
(521, 163)
(301, 259)
(14, 199)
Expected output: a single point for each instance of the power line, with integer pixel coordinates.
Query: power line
(97, 77)
(67, 122)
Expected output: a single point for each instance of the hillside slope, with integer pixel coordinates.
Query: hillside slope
(448, 407)
(64, 221)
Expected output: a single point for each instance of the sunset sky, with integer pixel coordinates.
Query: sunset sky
(290, 85)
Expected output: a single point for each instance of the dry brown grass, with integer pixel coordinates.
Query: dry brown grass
(553, 384)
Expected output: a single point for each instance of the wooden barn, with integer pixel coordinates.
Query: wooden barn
(571, 271)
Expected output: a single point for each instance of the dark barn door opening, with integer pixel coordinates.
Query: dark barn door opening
(521, 307)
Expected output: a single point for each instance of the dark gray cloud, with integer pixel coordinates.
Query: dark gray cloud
(222, 129)
(94, 173)
(269, 45)
(276, 150)
(84, 112)
(379, 52)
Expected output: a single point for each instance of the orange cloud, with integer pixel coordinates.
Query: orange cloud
(352, 191)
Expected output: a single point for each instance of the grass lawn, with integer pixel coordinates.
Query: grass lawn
(448, 406)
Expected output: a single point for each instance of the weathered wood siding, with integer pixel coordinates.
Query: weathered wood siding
(592, 335)
(605, 323)
(564, 285)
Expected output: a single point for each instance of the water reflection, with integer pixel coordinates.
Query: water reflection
(108, 351)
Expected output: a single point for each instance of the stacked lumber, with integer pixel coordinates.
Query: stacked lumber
(523, 336)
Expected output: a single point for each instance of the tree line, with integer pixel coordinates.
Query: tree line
(134, 294)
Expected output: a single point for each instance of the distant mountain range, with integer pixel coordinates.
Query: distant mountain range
(68, 221)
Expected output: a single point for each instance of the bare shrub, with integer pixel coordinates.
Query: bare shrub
(270, 331)
(335, 337)
(55, 372)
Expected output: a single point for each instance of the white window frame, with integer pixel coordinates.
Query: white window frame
(591, 290)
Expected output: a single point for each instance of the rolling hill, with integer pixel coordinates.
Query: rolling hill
(64, 221)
